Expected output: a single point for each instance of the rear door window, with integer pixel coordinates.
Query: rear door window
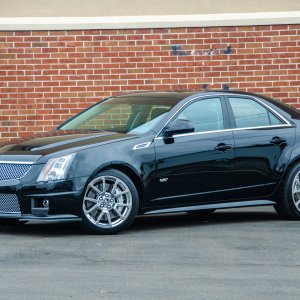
(249, 113)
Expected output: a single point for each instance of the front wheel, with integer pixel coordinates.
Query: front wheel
(110, 203)
(288, 207)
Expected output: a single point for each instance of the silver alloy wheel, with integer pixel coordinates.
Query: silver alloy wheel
(296, 191)
(107, 201)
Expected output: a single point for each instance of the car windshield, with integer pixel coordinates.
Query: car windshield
(125, 114)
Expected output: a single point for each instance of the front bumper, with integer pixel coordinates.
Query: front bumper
(52, 201)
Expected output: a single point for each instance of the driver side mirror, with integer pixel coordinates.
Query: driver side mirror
(179, 126)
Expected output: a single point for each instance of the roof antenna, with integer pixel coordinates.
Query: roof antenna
(205, 86)
(225, 87)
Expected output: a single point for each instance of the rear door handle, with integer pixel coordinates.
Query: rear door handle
(223, 147)
(278, 141)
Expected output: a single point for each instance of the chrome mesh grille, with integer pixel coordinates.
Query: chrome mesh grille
(9, 203)
(13, 171)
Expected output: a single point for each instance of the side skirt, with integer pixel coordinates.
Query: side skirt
(211, 206)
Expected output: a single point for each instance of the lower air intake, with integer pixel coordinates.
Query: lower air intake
(9, 204)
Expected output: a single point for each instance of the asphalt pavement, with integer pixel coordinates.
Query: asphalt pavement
(234, 254)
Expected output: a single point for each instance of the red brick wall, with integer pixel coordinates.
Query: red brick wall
(47, 76)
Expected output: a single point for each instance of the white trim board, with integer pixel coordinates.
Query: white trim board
(135, 22)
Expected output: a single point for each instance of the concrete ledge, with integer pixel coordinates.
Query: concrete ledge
(166, 21)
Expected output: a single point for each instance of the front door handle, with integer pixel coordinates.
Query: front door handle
(278, 141)
(223, 147)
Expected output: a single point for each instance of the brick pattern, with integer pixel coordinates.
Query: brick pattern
(47, 76)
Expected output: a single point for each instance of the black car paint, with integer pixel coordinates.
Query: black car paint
(251, 170)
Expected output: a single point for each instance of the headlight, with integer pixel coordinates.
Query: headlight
(56, 168)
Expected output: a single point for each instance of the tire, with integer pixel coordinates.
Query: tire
(110, 203)
(201, 213)
(288, 206)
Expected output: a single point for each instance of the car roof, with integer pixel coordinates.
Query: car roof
(180, 95)
(158, 94)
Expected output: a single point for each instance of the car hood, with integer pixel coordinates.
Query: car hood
(32, 148)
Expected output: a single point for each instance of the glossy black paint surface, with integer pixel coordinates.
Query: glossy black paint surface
(193, 166)
(220, 167)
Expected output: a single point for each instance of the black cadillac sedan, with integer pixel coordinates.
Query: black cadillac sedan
(152, 153)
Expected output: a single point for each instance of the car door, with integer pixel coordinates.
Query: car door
(263, 144)
(198, 166)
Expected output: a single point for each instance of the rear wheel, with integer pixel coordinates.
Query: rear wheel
(110, 203)
(288, 207)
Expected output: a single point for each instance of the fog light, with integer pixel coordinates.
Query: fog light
(45, 203)
(39, 207)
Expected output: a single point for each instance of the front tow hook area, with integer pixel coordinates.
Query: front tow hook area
(40, 207)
